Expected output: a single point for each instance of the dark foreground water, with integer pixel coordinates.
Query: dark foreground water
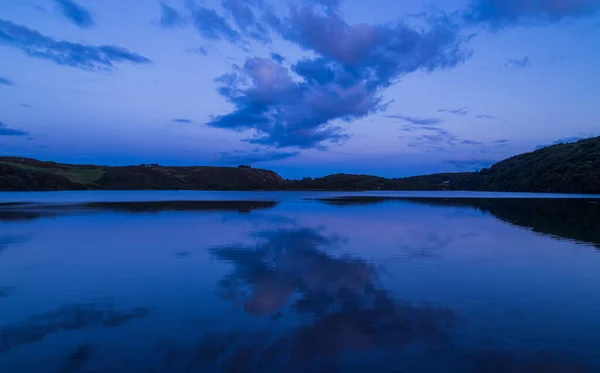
(260, 282)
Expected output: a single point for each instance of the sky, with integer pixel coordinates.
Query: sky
(303, 87)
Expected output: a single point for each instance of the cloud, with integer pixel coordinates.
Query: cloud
(4, 81)
(7, 131)
(520, 63)
(471, 164)
(245, 19)
(501, 13)
(277, 58)
(435, 138)
(26, 105)
(211, 25)
(86, 57)
(297, 107)
(75, 13)
(565, 140)
(254, 156)
(484, 116)
(200, 50)
(182, 120)
(416, 121)
(169, 16)
(330, 6)
(502, 141)
(460, 111)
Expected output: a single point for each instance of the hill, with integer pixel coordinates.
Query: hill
(25, 174)
(563, 168)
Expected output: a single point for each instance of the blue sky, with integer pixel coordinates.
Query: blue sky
(303, 87)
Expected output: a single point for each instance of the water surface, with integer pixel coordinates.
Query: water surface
(298, 282)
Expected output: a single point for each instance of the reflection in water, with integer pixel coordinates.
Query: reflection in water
(68, 318)
(490, 361)
(301, 303)
(31, 211)
(7, 240)
(77, 360)
(573, 219)
(348, 311)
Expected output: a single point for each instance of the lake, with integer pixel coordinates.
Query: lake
(299, 282)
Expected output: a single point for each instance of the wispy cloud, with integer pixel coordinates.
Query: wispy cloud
(519, 63)
(501, 13)
(26, 105)
(183, 120)
(75, 13)
(4, 81)
(565, 140)
(471, 142)
(200, 50)
(7, 131)
(484, 116)
(277, 58)
(254, 156)
(460, 111)
(169, 16)
(211, 25)
(86, 57)
(243, 14)
(415, 120)
(470, 164)
(502, 141)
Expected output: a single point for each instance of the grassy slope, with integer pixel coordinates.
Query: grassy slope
(85, 176)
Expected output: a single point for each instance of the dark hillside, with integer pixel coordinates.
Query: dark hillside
(563, 168)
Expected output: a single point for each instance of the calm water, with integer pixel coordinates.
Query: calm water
(298, 282)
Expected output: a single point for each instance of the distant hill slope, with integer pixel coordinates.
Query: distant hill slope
(24, 174)
(563, 168)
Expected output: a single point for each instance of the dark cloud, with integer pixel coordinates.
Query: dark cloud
(470, 142)
(470, 164)
(519, 63)
(211, 25)
(502, 141)
(416, 121)
(343, 83)
(254, 156)
(169, 16)
(286, 113)
(7, 131)
(183, 120)
(76, 14)
(460, 111)
(277, 58)
(86, 57)
(484, 116)
(502, 13)
(242, 13)
(4, 81)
